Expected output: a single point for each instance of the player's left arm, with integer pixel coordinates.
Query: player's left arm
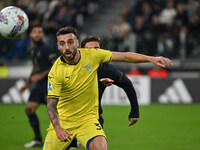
(40, 76)
(126, 84)
(121, 80)
(139, 58)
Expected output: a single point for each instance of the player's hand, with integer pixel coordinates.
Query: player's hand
(161, 61)
(133, 121)
(62, 134)
(106, 81)
(23, 88)
(36, 77)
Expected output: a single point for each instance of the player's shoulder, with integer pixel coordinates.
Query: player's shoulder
(57, 65)
(108, 66)
(87, 50)
(47, 49)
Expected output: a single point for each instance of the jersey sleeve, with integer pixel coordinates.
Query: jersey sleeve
(104, 56)
(54, 85)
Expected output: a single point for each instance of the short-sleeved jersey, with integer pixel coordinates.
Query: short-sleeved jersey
(42, 57)
(76, 86)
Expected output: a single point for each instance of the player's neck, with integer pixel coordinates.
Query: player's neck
(36, 44)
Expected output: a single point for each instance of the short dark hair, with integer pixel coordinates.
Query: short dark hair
(66, 30)
(36, 26)
(91, 39)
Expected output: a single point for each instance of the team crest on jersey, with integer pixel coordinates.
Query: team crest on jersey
(88, 67)
(50, 86)
(46, 145)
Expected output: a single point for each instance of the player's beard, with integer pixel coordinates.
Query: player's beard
(37, 41)
(72, 54)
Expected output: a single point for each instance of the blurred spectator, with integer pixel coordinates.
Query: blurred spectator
(155, 27)
(157, 5)
(122, 36)
(50, 33)
(183, 44)
(191, 7)
(168, 13)
(42, 6)
(146, 12)
(147, 44)
(134, 71)
(194, 26)
(158, 72)
(62, 17)
(128, 14)
(5, 46)
(19, 48)
(181, 17)
(139, 25)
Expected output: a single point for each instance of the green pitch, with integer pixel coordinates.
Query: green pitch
(161, 127)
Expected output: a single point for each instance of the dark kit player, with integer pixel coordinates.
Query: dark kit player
(108, 71)
(43, 58)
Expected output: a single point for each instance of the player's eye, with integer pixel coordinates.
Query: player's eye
(70, 42)
(62, 43)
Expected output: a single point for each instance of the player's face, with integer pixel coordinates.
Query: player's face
(92, 44)
(67, 45)
(37, 34)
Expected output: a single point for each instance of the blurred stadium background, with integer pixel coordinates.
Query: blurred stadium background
(169, 98)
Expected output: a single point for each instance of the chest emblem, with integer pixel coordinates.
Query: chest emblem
(88, 67)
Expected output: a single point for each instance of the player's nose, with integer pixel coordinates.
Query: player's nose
(66, 46)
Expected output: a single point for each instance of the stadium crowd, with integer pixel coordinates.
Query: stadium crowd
(153, 27)
(156, 27)
(52, 14)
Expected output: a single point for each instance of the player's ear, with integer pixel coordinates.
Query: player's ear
(77, 42)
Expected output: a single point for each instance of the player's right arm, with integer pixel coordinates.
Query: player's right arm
(62, 134)
(54, 88)
(139, 58)
(28, 81)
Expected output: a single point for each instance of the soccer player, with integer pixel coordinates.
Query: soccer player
(108, 74)
(43, 58)
(72, 101)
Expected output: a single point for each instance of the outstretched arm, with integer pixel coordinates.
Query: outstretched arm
(139, 58)
(62, 134)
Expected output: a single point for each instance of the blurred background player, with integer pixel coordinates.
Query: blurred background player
(43, 58)
(108, 74)
(106, 71)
